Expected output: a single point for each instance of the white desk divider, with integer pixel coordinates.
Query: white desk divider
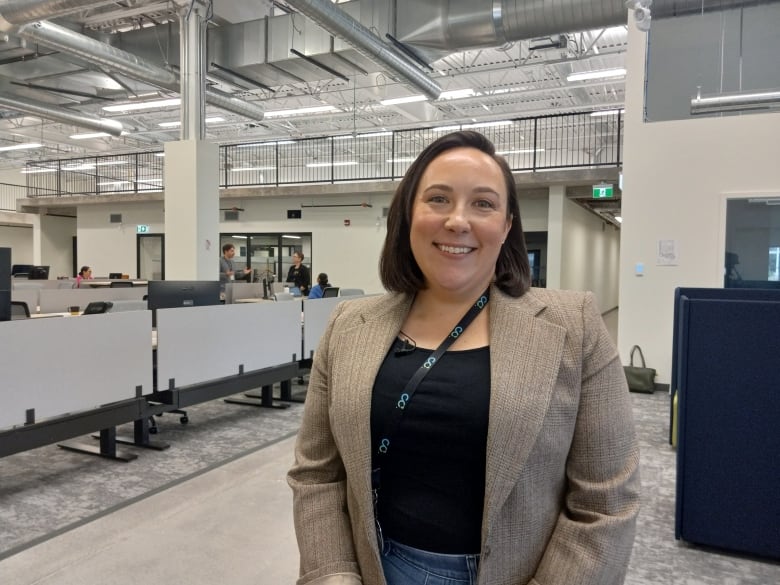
(72, 364)
(30, 296)
(315, 320)
(58, 300)
(243, 290)
(198, 344)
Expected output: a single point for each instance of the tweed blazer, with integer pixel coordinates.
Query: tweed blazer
(562, 477)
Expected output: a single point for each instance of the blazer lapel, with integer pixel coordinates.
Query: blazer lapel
(525, 353)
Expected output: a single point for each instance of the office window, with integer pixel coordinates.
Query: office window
(774, 263)
(752, 257)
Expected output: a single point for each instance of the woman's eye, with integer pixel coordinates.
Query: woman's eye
(485, 204)
(437, 199)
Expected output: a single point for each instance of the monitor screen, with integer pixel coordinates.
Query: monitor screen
(39, 273)
(170, 294)
(21, 269)
(295, 291)
(114, 275)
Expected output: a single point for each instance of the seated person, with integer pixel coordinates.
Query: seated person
(84, 274)
(322, 284)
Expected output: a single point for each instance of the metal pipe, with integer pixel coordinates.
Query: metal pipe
(56, 114)
(192, 43)
(729, 102)
(16, 12)
(339, 23)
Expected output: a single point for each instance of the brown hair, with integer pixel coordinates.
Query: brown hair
(397, 267)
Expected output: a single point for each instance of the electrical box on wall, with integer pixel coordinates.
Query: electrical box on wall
(231, 216)
(293, 214)
(115, 218)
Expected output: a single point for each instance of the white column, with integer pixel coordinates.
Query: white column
(191, 210)
(556, 201)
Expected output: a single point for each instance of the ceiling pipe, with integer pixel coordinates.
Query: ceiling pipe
(17, 12)
(730, 102)
(119, 61)
(25, 105)
(340, 24)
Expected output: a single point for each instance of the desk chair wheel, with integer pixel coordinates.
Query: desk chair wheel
(152, 426)
(184, 420)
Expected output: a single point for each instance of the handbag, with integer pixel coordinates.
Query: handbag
(640, 379)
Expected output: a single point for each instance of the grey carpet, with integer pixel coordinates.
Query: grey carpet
(49, 490)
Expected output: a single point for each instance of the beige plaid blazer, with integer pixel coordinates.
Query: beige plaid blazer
(562, 479)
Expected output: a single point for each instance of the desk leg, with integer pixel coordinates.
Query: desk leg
(107, 448)
(286, 394)
(265, 399)
(141, 437)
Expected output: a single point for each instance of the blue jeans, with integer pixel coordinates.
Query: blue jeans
(404, 565)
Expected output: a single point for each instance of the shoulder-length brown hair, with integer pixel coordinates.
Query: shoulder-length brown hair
(399, 270)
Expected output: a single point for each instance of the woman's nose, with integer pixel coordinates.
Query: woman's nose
(458, 220)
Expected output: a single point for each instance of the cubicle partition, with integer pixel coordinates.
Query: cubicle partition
(59, 300)
(729, 407)
(316, 316)
(31, 296)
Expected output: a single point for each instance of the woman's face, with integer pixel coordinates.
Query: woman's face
(296, 258)
(459, 221)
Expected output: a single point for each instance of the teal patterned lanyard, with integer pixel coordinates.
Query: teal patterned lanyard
(422, 371)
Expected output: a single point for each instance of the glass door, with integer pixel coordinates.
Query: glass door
(150, 254)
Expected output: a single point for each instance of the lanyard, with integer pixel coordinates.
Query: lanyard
(422, 371)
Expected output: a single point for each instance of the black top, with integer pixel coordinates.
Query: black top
(300, 277)
(432, 481)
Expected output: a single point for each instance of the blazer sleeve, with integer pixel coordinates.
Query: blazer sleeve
(593, 537)
(318, 482)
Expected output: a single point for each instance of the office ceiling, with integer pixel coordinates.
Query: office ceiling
(523, 78)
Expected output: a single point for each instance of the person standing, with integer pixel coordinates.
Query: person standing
(227, 271)
(464, 428)
(298, 274)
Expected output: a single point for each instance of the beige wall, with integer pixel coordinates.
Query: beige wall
(676, 177)
(57, 244)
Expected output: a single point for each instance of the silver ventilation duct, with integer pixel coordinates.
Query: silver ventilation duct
(729, 102)
(56, 114)
(16, 12)
(340, 24)
(92, 51)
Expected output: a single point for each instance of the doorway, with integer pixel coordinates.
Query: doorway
(150, 256)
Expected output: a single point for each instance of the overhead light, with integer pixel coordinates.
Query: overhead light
(345, 163)
(112, 183)
(489, 124)
(89, 135)
(457, 94)
(177, 123)
(238, 237)
(261, 144)
(110, 163)
(289, 237)
(79, 167)
(135, 106)
(765, 200)
(300, 111)
(37, 170)
(404, 100)
(446, 129)
(242, 169)
(400, 160)
(24, 146)
(160, 154)
(607, 112)
(618, 219)
(602, 74)
(521, 151)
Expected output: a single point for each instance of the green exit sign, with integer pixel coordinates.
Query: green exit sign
(603, 191)
(142, 229)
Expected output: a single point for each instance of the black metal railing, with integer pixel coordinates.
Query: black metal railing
(562, 141)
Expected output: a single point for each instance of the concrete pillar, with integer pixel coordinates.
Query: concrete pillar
(191, 210)
(556, 201)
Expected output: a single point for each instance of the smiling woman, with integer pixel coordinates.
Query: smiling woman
(498, 418)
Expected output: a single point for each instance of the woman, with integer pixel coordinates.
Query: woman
(507, 458)
(319, 288)
(299, 274)
(84, 274)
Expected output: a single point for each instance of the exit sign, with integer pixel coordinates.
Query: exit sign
(142, 229)
(603, 191)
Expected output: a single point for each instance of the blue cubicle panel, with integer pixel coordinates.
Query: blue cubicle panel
(728, 474)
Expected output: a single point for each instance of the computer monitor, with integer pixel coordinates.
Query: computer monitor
(170, 294)
(295, 291)
(39, 273)
(114, 275)
(21, 269)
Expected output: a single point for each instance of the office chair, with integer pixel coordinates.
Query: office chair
(330, 292)
(19, 310)
(120, 283)
(348, 292)
(283, 296)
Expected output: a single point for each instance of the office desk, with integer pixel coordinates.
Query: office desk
(103, 283)
(253, 300)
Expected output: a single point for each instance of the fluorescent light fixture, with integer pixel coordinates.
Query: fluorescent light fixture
(111, 163)
(400, 160)
(602, 74)
(112, 183)
(261, 144)
(765, 200)
(446, 129)
(242, 169)
(79, 167)
(345, 163)
(489, 124)
(37, 170)
(520, 151)
(374, 134)
(618, 219)
(177, 123)
(135, 106)
(607, 112)
(24, 146)
(457, 94)
(300, 111)
(161, 154)
(289, 237)
(404, 100)
(89, 135)
(238, 237)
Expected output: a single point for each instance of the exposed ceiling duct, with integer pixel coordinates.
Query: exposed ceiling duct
(338, 23)
(117, 60)
(16, 12)
(729, 102)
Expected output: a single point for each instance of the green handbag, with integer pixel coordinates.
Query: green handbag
(640, 379)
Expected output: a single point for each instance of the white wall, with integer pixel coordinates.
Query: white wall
(57, 244)
(20, 240)
(676, 176)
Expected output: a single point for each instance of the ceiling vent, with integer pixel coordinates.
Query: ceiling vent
(115, 218)
(231, 215)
